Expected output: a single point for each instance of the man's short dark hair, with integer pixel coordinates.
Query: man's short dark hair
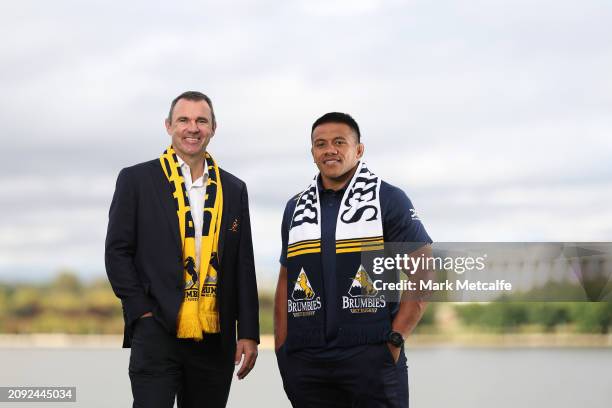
(193, 96)
(338, 117)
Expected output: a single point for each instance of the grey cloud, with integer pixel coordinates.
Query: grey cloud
(457, 101)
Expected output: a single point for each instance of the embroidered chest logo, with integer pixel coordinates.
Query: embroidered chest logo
(304, 301)
(362, 294)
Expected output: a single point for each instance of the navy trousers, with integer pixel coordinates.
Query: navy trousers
(369, 380)
(199, 374)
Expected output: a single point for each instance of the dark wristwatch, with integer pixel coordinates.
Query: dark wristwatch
(395, 338)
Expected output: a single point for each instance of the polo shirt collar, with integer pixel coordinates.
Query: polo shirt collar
(186, 170)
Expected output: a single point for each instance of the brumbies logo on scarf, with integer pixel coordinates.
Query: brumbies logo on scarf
(362, 312)
(199, 311)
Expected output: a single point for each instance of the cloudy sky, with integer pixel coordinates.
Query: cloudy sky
(494, 116)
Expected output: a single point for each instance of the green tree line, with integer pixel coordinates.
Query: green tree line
(583, 317)
(68, 305)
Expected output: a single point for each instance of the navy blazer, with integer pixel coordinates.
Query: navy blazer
(144, 261)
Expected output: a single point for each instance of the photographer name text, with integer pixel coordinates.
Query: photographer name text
(447, 285)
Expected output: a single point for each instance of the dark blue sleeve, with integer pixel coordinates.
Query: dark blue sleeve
(285, 230)
(401, 222)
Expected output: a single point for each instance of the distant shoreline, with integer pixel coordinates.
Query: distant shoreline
(464, 340)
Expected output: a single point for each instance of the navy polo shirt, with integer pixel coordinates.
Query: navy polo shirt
(400, 224)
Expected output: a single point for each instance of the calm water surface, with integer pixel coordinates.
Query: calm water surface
(439, 377)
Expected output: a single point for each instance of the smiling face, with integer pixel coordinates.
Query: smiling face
(336, 152)
(191, 128)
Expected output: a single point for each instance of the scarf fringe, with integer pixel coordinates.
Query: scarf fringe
(189, 329)
(209, 321)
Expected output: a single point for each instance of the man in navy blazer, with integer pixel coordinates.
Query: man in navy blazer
(144, 263)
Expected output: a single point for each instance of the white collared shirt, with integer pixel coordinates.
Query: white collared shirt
(196, 191)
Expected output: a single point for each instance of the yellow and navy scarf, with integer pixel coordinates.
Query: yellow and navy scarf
(199, 312)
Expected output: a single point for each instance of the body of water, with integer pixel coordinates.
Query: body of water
(439, 377)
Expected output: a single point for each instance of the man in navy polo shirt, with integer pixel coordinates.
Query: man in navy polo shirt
(331, 352)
